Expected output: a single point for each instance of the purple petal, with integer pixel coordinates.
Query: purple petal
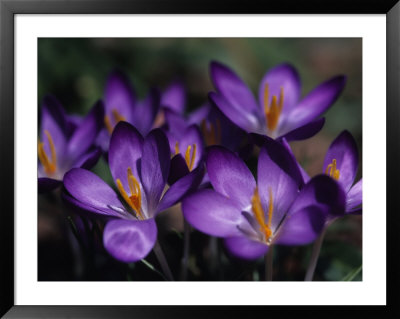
(199, 114)
(344, 150)
(89, 159)
(304, 174)
(282, 76)
(354, 197)
(174, 97)
(302, 227)
(95, 195)
(181, 188)
(145, 112)
(125, 151)
(212, 213)
(155, 166)
(240, 116)
(130, 240)
(176, 123)
(119, 96)
(305, 131)
(278, 172)
(85, 135)
(321, 191)
(47, 184)
(232, 88)
(317, 101)
(178, 169)
(245, 248)
(192, 136)
(230, 176)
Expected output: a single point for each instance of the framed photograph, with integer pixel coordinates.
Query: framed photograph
(165, 155)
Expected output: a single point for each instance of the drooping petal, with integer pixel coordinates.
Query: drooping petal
(125, 151)
(93, 193)
(317, 101)
(230, 176)
(321, 191)
(155, 166)
(354, 197)
(245, 248)
(47, 184)
(344, 150)
(212, 213)
(145, 112)
(119, 95)
(130, 240)
(302, 227)
(305, 131)
(85, 135)
(240, 116)
(181, 188)
(278, 176)
(283, 76)
(232, 88)
(174, 97)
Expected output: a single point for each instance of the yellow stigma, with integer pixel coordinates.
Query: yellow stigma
(49, 165)
(258, 211)
(117, 117)
(332, 171)
(212, 135)
(135, 199)
(190, 155)
(272, 111)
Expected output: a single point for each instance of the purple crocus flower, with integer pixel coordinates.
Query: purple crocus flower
(140, 167)
(121, 104)
(341, 163)
(252, 216)
(279, 111)
(62, 146)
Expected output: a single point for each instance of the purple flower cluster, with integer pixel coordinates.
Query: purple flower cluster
(159, 155)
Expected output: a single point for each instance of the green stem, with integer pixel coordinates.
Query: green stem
(163, 261)
(314, 256)
(269, 261)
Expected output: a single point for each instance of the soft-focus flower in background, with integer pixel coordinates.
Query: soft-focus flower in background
(140, 168)
(252, 216)
(279, 111)
(62, 146)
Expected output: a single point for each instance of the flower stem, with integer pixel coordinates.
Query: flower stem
(314, 256)
(269, 260)
(186, 247)
(163, 261)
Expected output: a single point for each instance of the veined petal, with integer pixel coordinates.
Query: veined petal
(278, 173)
(174, 97)
(354, 197)
(90, 190)
(230, 176)
(245, 248)
(125, 151)
(130, 240)
(317, 101)
(155, 165)
(119, 95)
(302, 227)
(283, 76)
(85, 135)
(212, 213)
(344, 150)
(232, 88)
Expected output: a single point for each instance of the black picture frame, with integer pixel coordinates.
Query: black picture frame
(8, 10)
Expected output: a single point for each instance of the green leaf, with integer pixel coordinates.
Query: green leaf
(350, 276)
(151, 267)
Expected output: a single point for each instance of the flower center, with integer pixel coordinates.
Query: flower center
(190, 155)
(332, 171)
(272, 110)
(265, 227)
(212, 132)
(135, 199)
(117, 117)
(49, 165)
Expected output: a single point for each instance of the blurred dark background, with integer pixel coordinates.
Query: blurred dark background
(75, 71)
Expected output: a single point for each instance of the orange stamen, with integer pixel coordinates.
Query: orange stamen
(117, 118)
(49, 166)
(190, 156)
(135, 199)
(272, 111)
(260, 215)
(332, 171)
(212, 136)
